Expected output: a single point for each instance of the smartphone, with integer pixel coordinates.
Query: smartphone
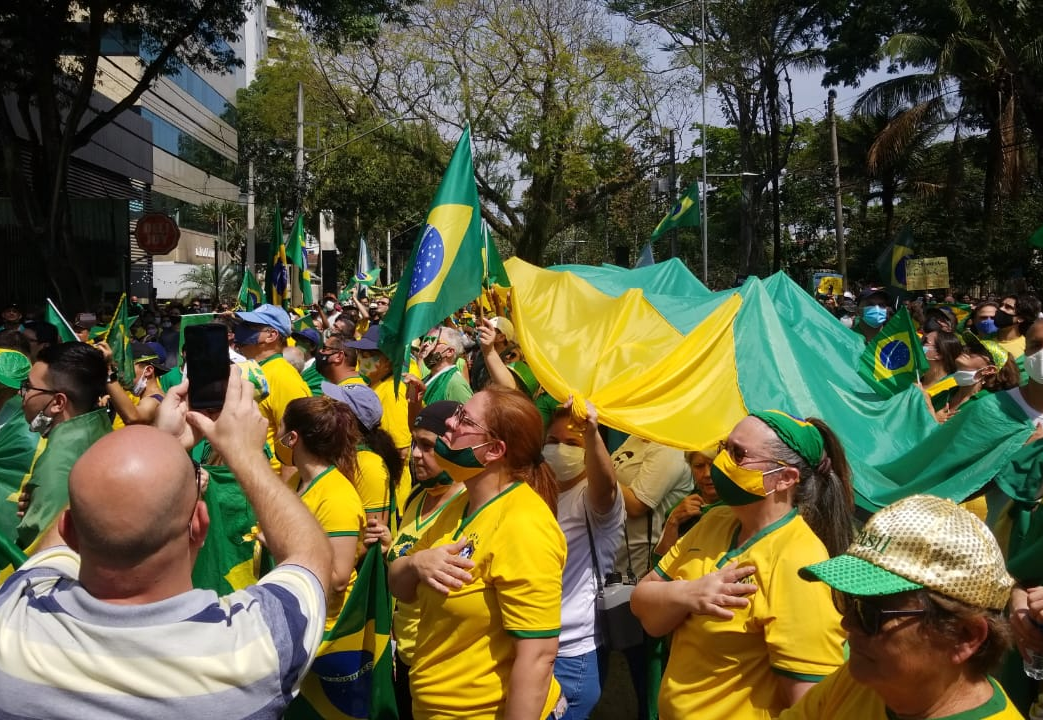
(206, 357)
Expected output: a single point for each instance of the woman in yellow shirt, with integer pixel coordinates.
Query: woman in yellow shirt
(318, 437)
(487, 574)
(749, 637)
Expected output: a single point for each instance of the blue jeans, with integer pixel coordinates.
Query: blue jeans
(581, 678)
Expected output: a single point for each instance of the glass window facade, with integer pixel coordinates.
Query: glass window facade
(177, 142)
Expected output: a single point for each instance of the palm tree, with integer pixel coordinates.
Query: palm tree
(199, 282)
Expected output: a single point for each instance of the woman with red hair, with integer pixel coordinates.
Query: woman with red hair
(487, 575)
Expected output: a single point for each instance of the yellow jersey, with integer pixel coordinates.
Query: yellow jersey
(335, 504)
(407, 615)
(840, 696)
(464, 649)
(372, 481)
(284, 384)
(729, 669)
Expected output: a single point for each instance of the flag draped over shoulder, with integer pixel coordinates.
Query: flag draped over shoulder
(297, 257)
(685, 213)
(277, 278)
(54, 317)
(225, 562)
(250, 293)
(117, 335)
(894, 359)
(444, 272)
(351, 678)
(891, 263)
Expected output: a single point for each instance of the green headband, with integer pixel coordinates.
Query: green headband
(800, 435)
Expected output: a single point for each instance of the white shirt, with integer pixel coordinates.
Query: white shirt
(1034, 415)
(578, 586)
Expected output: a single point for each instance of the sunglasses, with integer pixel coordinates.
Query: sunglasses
(870, 617)
(739, 455)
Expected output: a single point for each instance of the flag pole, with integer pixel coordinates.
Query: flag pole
(59, 314)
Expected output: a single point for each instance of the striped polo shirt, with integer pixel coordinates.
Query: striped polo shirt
(66, 654)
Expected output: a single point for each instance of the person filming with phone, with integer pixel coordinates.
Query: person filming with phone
(103, 621)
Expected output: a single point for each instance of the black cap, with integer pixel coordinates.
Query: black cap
(433, 416)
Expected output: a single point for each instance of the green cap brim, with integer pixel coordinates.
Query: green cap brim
(856, 576)
(11, 382)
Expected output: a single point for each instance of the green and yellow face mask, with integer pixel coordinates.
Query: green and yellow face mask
(738, 485)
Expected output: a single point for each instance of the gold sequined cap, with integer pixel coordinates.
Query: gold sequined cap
(921, 541)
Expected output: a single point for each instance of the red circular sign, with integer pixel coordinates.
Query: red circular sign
(156, 233)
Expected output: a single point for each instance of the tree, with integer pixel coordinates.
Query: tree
(198, 281)
(557, 108)
(50, 69)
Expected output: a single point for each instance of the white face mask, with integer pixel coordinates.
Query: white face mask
(965, 378)
(139, 386)
(41, 423)
(1034, 366)
(848, 321)
(567, 461)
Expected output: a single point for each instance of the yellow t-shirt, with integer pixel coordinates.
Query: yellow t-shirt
(728, 669)
(335, 504)
(284, 385)
(372, 482)
(407, 615)
(117, 420)
(1015, 347)
(465, 641)
(396, 422)
(840, 697)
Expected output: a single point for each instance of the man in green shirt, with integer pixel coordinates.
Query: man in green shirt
(60, 401)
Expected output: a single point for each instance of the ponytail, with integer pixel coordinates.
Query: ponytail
(824, 495)
(514, 419)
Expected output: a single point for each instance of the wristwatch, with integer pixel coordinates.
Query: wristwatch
(114, 375)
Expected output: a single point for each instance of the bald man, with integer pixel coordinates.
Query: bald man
(108, 625)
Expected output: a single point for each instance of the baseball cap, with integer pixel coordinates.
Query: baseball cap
(14, 368)
(362, 401)
(308, 335)
(997, 352)
(921, 542)
(433, 416)
(152, 353)
(369, 341)
(505, 326)
(269, 315)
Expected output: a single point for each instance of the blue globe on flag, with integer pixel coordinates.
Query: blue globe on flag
(895, 355)
(429, 259)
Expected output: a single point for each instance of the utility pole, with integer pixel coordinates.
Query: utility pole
(703, 221)
(295, 290)
(251, 235)
(838, 208)
(673, 191)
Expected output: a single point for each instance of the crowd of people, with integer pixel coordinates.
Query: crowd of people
(511, 523)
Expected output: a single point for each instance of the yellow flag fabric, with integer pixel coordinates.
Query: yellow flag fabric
(642, 375)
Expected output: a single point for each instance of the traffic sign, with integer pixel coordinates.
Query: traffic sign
(157, 233)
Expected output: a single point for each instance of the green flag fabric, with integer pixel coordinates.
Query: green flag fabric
(351, 678)
(250, 293)
(117, 335)
(53, 316)
(891, 263)
(445, 270)
(277, 277)
(685, 213)
(894, 359)
(1036, 240)
(296, 257)
(495, 272)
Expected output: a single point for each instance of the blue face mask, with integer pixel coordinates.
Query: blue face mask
(986, 327)
(874, 315)
(246, 335)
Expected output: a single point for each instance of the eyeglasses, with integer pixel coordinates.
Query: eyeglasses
(739, 455)
(25, 388)
(330, 350)
(463, 418)
(870, 616)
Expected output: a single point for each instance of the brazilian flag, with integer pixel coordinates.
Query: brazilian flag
(226, 561)
(277, 278)
(445, 270)
(894, 359)
(250, 293)
(891, 263)
(297, 257)
(53, 316)
(117, 335)
(351, 678)
(685, 213)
